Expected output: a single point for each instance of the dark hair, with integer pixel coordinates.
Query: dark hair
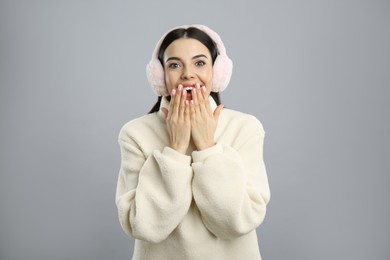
(193, 33)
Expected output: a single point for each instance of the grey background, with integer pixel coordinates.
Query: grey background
(316, 73)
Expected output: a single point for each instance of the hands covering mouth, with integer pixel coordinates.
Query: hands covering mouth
(190, 117)
(190, 89)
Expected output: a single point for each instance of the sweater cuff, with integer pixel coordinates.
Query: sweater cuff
(199, 156)
(175, 155)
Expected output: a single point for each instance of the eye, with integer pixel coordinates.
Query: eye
(173, 65)
(200, 63)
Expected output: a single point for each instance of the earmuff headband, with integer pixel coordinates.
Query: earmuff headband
(222, 68)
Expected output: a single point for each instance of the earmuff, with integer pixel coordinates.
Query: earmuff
(222, 68)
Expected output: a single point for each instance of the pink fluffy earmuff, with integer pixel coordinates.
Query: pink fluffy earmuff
(222, 68)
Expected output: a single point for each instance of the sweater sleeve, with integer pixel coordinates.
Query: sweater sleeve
(154, 193)
(230, 185)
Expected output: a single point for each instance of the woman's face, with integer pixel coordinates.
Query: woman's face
(187, 62)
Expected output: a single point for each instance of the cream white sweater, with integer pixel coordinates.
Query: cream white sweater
(205, 205)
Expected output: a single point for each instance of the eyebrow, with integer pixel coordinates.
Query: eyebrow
(195, 57)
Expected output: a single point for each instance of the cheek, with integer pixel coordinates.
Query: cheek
(207, 76)
(169, 81)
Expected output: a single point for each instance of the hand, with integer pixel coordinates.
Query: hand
(178, 120)
(203, 120)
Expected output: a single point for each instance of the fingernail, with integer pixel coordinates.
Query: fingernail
(194, 90)
(187, 102)
(192, 102)
(204, 89)
(197, 85)
(173, 91)
(180, 87)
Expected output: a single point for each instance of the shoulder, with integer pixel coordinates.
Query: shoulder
(242, 121)
(141, 126)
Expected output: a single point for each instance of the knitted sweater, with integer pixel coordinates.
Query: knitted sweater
(202, 205)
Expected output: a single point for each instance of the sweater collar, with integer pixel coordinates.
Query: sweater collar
(165, 103)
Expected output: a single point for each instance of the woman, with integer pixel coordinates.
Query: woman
(192, 181)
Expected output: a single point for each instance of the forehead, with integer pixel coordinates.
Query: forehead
(186, 48)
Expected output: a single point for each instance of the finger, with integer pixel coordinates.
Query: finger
(172, 102)
(206, 103)
(202, 101)
(182, 101)
(165, 111)
(177, 101)
(217, 112)
(195, 98)
(187, 117)
(192, 111)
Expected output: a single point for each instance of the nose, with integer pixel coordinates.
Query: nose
(187, 73)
